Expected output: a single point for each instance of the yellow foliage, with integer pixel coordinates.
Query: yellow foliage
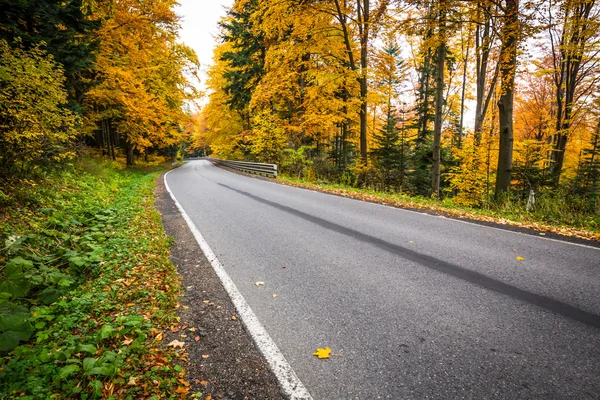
(34, 125)
(142, 85)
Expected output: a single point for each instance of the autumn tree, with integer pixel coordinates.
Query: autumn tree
(574, 39)
(65, 29)
(141, 77)
(35, 125)
(510, 36)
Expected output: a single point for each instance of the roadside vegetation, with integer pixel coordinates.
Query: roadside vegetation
(549, 215)
(87, 286)
(92, 105)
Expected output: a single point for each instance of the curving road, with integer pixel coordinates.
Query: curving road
(417, 306)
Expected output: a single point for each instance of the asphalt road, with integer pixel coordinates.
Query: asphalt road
(417, 306)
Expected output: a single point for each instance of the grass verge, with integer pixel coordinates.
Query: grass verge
(547, 217)
(86, 287)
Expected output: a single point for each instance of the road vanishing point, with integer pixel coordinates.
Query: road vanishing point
(414, 306)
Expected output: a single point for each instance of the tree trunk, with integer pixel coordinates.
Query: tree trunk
(363, 27)
(572, 49)
(129, 153)
(439, 103)
(462, 97)
(111, 141)
(508, 60)
(483, 45)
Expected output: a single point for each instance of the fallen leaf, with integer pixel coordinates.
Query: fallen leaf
(204, 383)
(211, 304)
(185, 307)
(181, 390)
(175, 330)
(205, 356)
(283, 267)
(192, 329)
(159, 337)
(132, 381)
(259, 283)
(183, 336)
(233, 317)
(205, 301)
(208, 398)
(127, 342)
(130, 304)
(197, 338)
(519, 258)
(176, 343)
(274, 295)
(514, 250)
(322, 353)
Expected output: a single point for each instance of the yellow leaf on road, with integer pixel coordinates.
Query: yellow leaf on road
(519, 258)
(322, 353)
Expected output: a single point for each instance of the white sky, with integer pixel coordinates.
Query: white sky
(199, 27)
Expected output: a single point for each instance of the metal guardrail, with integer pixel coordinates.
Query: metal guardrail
(250, 167)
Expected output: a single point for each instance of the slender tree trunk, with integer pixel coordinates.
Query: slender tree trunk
(508, 60)
(105, 145)
(483, 45)
(439, 102)
(462, 97)
(363, 26)
(112, 137)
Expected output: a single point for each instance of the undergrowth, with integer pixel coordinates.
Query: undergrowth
(86, 287)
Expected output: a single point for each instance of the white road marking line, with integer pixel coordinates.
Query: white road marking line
(288, 380)
(449, 218)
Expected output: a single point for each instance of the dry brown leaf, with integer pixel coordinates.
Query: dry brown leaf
(205, 356)
(233, 317)
(176, 343)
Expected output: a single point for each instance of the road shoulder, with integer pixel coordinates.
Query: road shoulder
(223, 361)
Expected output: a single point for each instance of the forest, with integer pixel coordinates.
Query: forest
(476, 102)
(104, 74)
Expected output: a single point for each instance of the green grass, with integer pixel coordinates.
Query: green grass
(86, 287)
(551, 213)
